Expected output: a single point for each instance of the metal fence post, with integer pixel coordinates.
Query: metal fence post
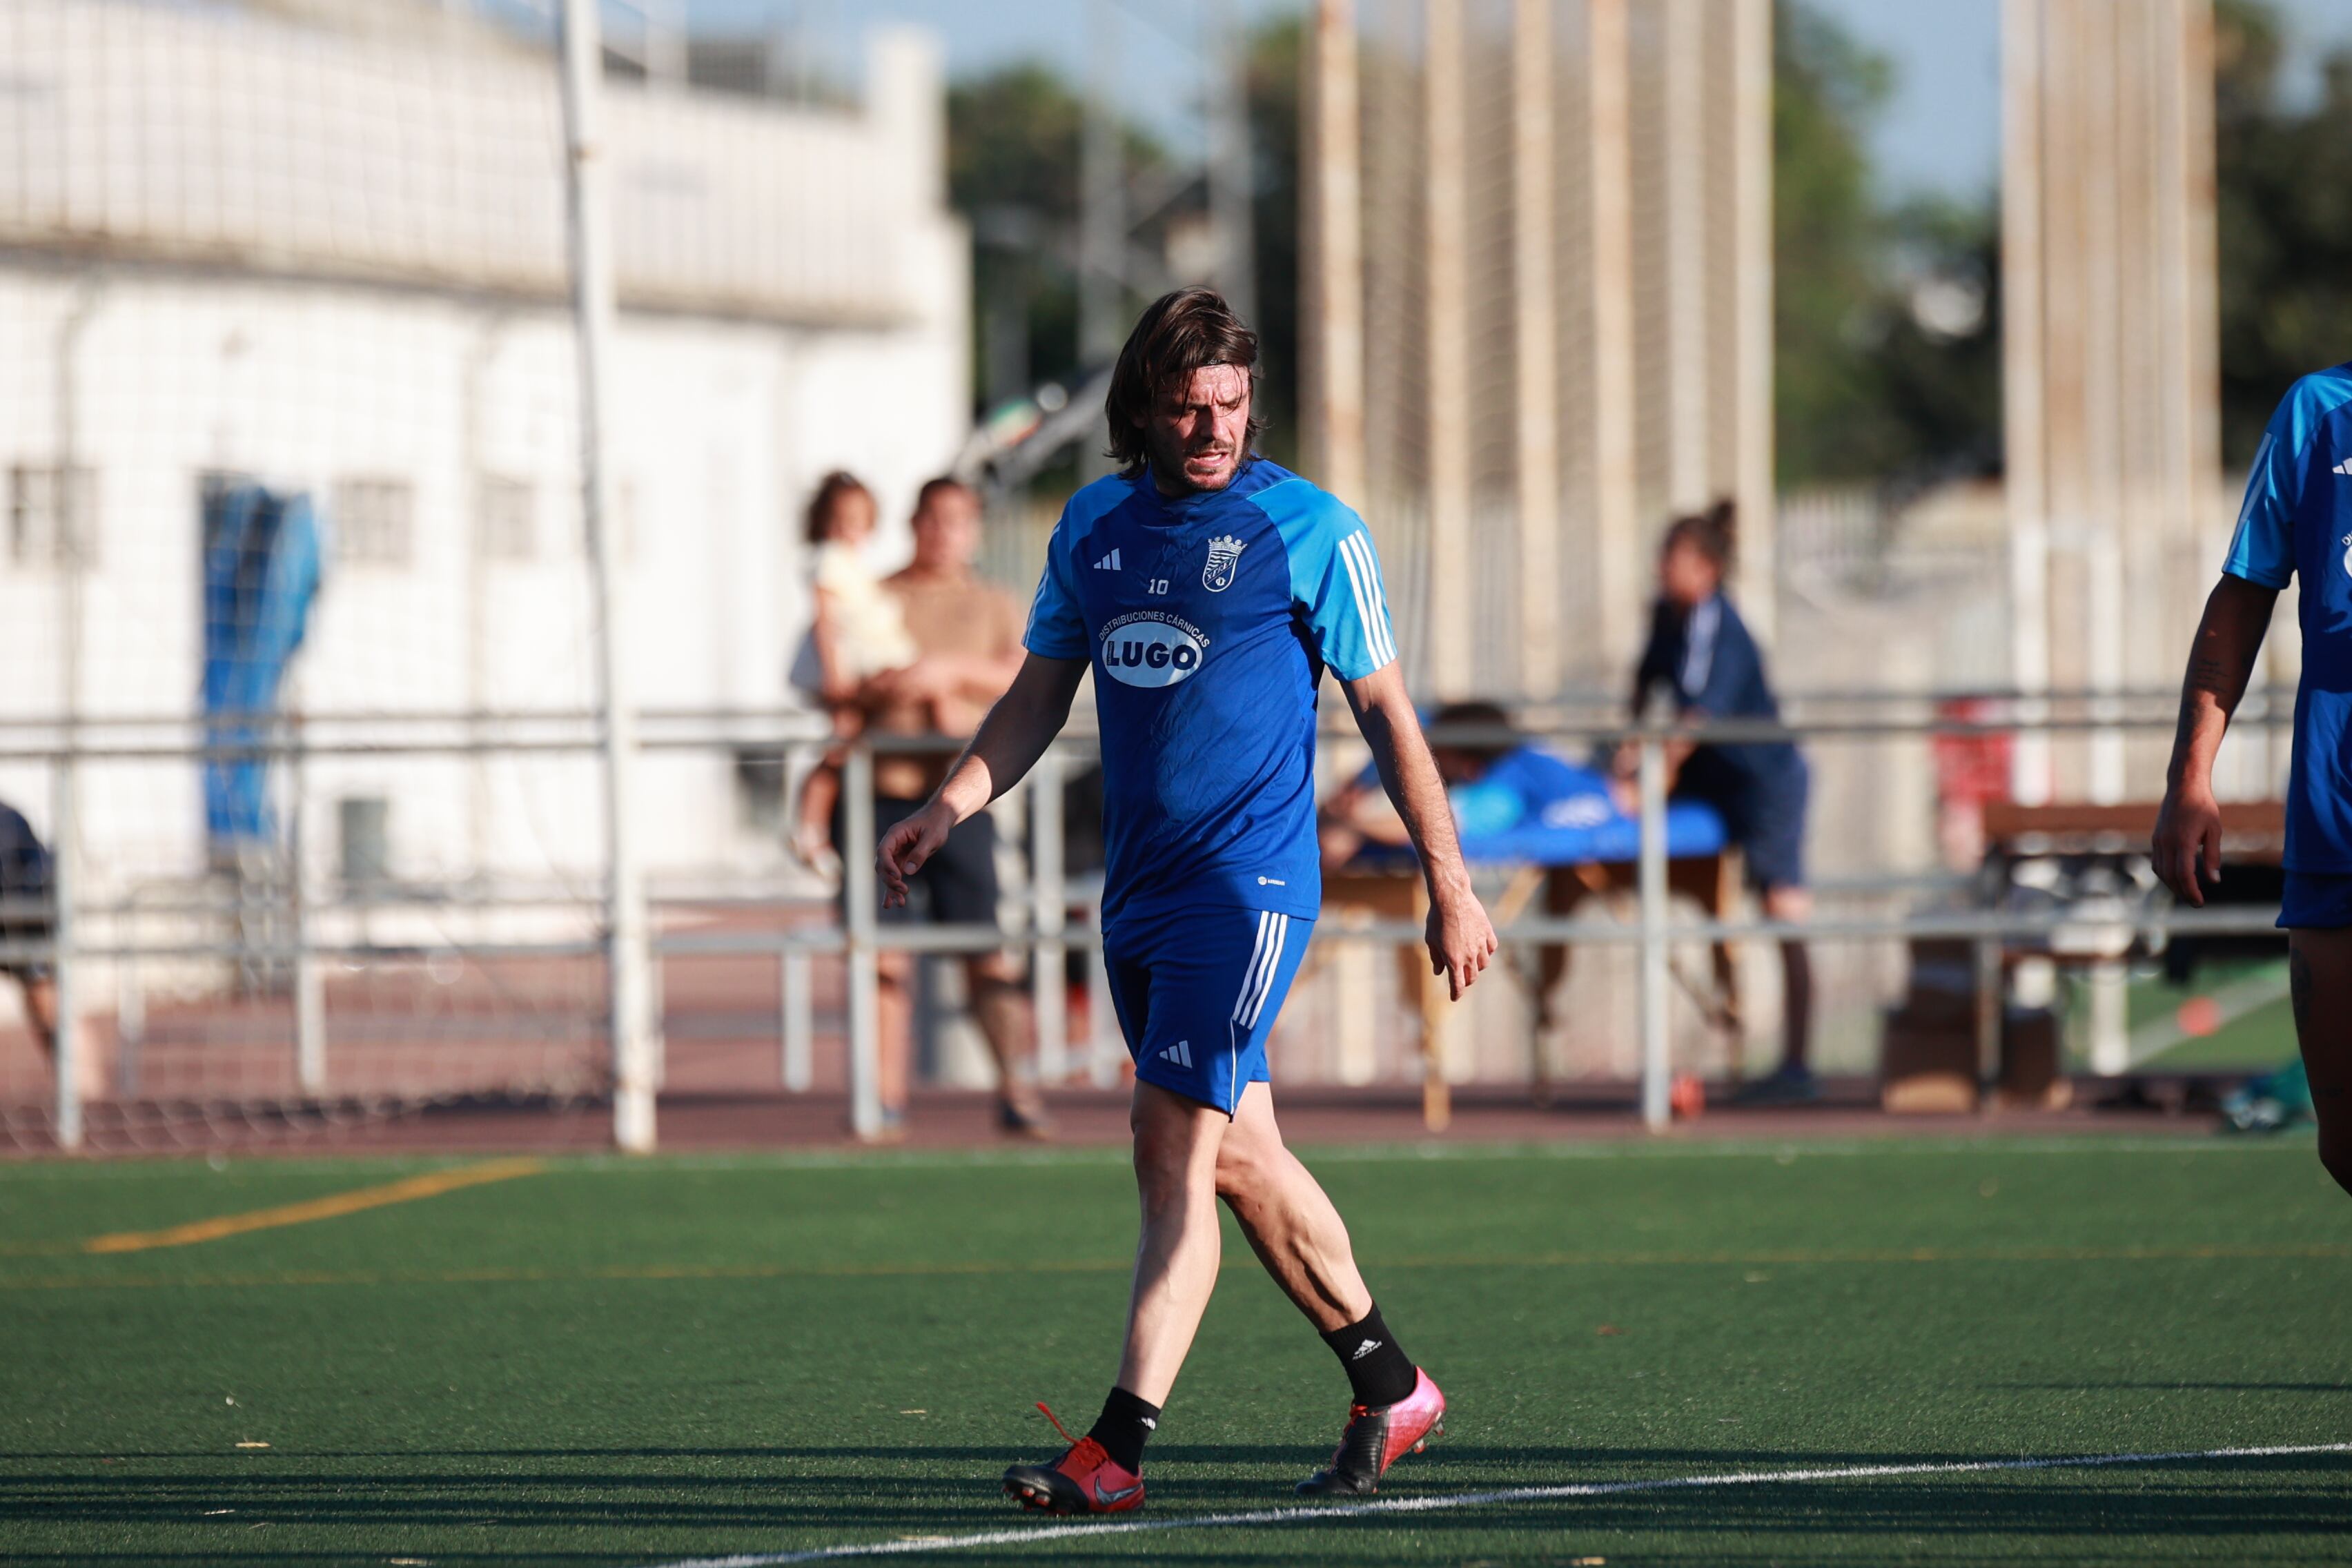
(65, 888)
(860, 892)
(1049, 912)
(310, 973)
(793, 1002)
(1656, 1066)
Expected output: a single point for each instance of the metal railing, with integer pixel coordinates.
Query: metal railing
(1047, 933)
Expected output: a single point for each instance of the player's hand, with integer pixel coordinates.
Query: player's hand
(1460, 940)
(2187, 848)
(906, 847)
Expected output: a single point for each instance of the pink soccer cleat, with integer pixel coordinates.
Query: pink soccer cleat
(1378, 1436)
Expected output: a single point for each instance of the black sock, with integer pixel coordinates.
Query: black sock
(1124, 1426)
(1378, 1372)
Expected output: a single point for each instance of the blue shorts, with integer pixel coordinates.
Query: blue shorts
(1197, 991)
(2319, 900)
(1763, 809)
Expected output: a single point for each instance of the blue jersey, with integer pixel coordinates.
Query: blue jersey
(2297, 520)
(1209, 620)
(1714, 668)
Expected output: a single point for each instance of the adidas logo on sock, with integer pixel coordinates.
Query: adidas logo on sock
(1148, 1423)
(1108, 562)
(1367, 1348)
(2343, 467)
(1180, 1053)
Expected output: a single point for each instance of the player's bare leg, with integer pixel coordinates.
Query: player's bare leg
(1290, 1222)
(2319, 974)
(1177, 1143)
(1298, 1234)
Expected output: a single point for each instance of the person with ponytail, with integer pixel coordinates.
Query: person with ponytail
(1704, 663)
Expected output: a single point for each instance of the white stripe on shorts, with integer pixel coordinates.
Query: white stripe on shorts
(1253, 997)
(1250, 971)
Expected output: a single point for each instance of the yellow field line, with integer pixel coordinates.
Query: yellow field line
(2318, 1252)
(431, 1185)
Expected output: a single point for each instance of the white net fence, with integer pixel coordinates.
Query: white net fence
(290, 419)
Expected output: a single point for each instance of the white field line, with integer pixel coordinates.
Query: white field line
(1308, 1513)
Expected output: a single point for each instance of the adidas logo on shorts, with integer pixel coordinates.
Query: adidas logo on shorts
(1180, 1053)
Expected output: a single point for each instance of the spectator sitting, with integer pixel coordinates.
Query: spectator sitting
(1701, 657)
(859, 632)
(27, 891)
(967, 636)
(1494, 786)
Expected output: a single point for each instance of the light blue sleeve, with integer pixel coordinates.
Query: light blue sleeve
(1335, 578)
(2261, 550)
(1058, 629)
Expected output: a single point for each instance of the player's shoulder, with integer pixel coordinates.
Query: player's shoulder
(1095, 500)
(2311, 401)
(1301, 510)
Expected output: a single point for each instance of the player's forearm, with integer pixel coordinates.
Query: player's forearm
(1409, 773)
(2220, 662)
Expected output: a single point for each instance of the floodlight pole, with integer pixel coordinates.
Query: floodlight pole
(627, 958)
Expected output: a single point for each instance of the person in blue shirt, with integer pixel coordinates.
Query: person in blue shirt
(1493, 788)
(1702, 658)
(1207, 590)
(2296, 523)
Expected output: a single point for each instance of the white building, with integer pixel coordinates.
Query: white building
(332, 259)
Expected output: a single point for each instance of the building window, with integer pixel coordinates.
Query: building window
(49, 515)
(375, 522)
(507, 519)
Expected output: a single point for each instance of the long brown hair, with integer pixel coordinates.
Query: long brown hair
(1179, 333)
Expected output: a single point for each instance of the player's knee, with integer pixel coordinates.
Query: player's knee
(1241, 1169)
(1164, 1161)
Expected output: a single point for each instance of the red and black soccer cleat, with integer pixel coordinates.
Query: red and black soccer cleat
(1378, 1436)
(1084, 1480)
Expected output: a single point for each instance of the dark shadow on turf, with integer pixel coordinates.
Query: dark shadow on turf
(2281, 1496)
(2188, 1387)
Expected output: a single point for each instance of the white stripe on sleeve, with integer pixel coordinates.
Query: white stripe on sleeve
(1371, 608)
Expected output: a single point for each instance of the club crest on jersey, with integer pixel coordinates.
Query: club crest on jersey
(1151, 647)
(1224, 554)
(2348, 555)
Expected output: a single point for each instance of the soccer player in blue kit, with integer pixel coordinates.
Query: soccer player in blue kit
(2296, 522)
(1208, 590)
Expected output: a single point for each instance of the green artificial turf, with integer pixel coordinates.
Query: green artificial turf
(615, 1364)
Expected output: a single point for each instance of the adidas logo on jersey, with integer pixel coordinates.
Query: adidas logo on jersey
(1180, 1053)
(1108, 562)
(2343, 468)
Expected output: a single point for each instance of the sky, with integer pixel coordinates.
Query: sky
(1940, 132)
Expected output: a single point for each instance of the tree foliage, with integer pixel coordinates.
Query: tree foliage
(2284, 179)
(1886, 333)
